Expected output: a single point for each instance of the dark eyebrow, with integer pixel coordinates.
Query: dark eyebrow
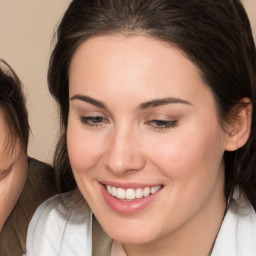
(143, 106)
(159, 102)
(88, 100)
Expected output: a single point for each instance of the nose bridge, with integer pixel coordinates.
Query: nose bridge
(124, 152)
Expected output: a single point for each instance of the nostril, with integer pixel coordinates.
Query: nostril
(124, 164)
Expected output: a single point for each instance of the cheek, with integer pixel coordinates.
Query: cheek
(187, 154)
(191, 165)
(84, 151)
(10, 189)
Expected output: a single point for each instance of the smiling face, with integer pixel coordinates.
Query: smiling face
(143, 125)
(13, 172)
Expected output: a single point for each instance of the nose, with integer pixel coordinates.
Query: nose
(124, 152)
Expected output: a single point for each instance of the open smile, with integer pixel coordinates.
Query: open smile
(131, 193)
(129, 200)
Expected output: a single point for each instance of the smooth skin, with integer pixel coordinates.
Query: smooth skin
(13, 171)
(141, 114)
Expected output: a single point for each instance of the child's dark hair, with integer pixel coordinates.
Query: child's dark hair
(13, 107)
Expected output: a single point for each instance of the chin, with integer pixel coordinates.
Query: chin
(132, 238)
(126, 234)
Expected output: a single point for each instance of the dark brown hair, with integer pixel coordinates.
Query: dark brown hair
(13, 107)
(215, 35)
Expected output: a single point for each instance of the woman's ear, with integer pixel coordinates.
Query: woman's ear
(240, 125)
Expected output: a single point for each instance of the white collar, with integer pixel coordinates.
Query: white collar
(237, 235)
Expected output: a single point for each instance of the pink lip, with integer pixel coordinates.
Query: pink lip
(127, 207)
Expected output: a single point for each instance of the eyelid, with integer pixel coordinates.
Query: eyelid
(92, 112)
(86, 109)
(160, 122)
(164, 117)
(87, 120)
(165, 124)
(92, 116)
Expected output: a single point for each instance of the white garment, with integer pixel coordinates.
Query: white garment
(58, 231)
(237, 235)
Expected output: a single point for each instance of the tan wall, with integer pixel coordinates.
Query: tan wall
(250, 6)
(26, 29)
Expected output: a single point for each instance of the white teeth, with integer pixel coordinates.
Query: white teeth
(155, 189)
(130, 193)
(120, 193)
(139, 193)
(146, 191)
(113, 191)
(109, 189)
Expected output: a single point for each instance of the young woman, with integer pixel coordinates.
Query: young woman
(157, 105)
(24, 182)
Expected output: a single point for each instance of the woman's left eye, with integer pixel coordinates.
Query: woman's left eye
(93, 121)
(162, 124)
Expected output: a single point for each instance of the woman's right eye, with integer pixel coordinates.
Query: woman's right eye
(93, 121)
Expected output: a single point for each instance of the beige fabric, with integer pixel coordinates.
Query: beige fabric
(39, 186)
(101, 242)
(117, 249)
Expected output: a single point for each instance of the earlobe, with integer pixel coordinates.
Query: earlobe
(240, 127)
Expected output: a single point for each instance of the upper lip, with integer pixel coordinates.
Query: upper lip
(128, 185)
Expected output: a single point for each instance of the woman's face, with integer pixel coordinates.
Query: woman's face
(144, 140)
(13, 172)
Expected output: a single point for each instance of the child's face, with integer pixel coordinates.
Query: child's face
(141, 120)
(13, 172)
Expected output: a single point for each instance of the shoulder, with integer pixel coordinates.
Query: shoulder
(60, 226)
(39, 186)
(42, 174)
(237, 235)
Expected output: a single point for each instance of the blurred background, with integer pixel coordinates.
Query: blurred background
(26, 40)
(26, 32)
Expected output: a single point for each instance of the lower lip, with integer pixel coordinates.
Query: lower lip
(127, 207)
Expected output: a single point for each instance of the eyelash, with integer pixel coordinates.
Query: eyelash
(93, 121)
(98, 121)
(162, 124)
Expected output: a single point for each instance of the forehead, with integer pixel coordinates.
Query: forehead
(109, 51)
(3, 127)
(119, 65)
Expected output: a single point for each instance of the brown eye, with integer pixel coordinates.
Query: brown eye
(162, 124)
(93, 120)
